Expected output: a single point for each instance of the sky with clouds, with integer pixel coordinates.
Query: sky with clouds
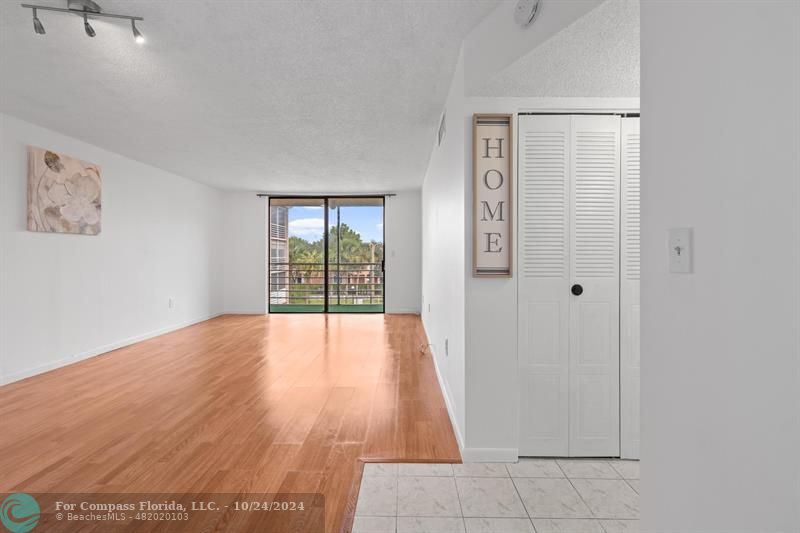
(308, 223)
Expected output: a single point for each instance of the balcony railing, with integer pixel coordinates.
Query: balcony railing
(303, 284)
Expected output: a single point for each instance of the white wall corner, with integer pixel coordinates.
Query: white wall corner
(141, 277)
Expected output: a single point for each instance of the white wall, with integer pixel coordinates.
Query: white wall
(245, 223)
(66, 297)
(491, 325)
(720, 348)
(443, 256)
(403, 233)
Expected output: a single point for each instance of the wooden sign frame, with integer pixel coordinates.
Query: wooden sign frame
(492, 206)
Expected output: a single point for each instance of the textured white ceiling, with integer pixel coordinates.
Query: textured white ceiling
(284, 96)
(597, 55)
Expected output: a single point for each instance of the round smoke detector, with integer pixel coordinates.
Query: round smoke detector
(525, 11)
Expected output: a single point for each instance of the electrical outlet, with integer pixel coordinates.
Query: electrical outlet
(446, 347)
(171, 303)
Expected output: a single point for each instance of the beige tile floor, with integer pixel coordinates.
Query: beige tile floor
(531, 496)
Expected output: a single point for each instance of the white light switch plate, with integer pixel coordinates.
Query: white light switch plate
(680, 250)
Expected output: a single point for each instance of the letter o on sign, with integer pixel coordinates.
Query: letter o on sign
(498, 179)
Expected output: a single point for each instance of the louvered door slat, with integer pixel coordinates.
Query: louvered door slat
(596, 179)
(543, 197)
(631, 200)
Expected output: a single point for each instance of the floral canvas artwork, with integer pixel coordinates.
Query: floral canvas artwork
(63, 193)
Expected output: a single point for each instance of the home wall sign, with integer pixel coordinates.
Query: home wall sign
(492, 195)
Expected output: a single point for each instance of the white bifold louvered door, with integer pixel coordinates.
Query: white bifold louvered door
(543, 285)
(594, 314)
(569, 213)
(629, 290)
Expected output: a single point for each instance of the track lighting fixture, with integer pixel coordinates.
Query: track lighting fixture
(137, 36)
(85, 9)
(88, 27)
(37, 24)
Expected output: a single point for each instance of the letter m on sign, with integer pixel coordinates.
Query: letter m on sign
(497, 214)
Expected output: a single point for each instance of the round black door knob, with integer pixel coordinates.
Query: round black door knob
(577, 290)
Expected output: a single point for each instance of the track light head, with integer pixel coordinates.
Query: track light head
(88, 27)
(137, 35)
(37, 24)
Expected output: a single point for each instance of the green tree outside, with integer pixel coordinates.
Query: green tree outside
(353, 263)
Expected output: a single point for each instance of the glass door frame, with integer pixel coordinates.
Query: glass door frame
(325, 251)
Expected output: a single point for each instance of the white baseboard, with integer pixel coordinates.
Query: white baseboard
(489, 455)
(64, 361)
(402, 311)
(245, 312)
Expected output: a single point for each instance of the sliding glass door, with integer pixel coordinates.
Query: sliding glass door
(326, 255)
(355, 255)
(297, 255)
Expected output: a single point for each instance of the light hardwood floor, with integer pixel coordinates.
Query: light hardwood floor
(280, 403)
